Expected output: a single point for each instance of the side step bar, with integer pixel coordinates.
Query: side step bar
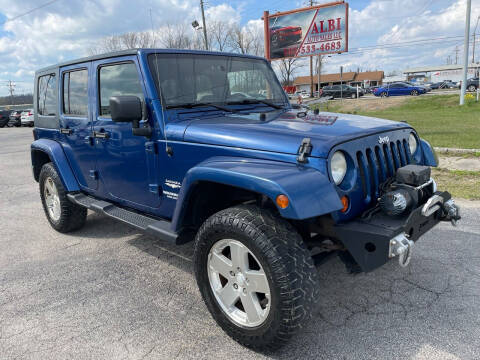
(160, 228)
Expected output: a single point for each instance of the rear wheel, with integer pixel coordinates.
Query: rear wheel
(255, 275)
(63, 215)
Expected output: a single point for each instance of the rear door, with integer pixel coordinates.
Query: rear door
(76, 123)
(125, 163)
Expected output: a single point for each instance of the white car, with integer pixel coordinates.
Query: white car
(305, 95)
(26, 117)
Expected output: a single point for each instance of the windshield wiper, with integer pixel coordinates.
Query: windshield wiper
(193, 105)
(257, 101)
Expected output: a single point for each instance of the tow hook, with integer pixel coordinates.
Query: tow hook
(452, 210)
(402, 247)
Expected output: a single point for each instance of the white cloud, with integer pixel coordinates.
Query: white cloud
(66, 29)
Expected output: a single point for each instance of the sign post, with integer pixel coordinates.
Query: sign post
(341, 83)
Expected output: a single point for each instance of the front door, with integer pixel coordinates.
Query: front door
(125, 163)
(76, 123)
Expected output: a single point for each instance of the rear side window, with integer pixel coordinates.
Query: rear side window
(47, 89)
(75, 97)
(118, 80)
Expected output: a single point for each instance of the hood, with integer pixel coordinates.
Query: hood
(284, 132)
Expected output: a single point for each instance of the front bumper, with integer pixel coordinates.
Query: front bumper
(374, 241)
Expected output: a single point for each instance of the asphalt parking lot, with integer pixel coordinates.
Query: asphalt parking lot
(109, 292)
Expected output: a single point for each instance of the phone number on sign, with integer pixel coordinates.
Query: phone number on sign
(313, 48)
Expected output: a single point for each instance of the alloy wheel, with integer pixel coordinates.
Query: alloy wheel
(52, 200)
(239, 283)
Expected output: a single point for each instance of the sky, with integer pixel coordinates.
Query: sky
(383, 34)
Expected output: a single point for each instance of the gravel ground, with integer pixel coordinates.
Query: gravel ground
(109, 292)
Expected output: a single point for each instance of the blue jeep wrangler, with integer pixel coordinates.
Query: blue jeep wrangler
(205, 147)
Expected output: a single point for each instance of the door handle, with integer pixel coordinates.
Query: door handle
(66, 131)
(100, 135)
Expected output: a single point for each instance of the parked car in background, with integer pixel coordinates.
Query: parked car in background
(421, 85)
(472, 84)
(370, 89)
(399, 88)
(435, 86)
(26, 118)
(345, 91)
(450, 85)
(15, 118)
(4, 117)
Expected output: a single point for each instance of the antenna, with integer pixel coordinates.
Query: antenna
(168, 149)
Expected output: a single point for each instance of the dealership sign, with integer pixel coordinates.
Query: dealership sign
(310, 31)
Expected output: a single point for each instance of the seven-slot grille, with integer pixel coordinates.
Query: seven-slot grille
(380, 163)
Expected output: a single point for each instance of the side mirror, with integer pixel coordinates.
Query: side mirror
(125, 108)
(129, 109)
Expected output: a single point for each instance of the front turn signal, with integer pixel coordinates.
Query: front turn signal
(282, 201)
(345, 203)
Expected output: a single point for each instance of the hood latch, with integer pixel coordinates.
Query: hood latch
(304, 150)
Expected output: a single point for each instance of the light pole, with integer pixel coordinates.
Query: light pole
(465, 51)
(204, 25)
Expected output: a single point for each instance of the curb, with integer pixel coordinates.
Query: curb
(456, 151)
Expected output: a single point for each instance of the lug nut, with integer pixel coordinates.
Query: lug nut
(235, 286)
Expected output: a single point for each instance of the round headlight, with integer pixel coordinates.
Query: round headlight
(412, 143)
(338, 167)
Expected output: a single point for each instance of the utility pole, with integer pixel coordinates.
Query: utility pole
(465, 51)
(473, 47)
(11, 89)
(204, 25)
(311, 67)
(456, 55)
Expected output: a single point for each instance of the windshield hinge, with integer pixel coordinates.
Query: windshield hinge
(304, 150)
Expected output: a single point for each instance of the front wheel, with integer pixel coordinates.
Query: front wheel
(383, 94)
(353, 96)
(255, 275)
(414, 93)
(472, 88)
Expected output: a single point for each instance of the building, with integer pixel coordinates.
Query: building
(441, 73)
(364, 79)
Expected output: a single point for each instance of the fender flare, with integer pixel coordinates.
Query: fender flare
(56, 155)
(430, 156)
(316, 197)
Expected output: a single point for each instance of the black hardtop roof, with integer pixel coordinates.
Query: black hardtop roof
(137, 51)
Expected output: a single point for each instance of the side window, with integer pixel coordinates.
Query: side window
(46, 98)
(75, 96)
(115, 80)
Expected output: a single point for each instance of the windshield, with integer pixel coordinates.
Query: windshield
(195, 79)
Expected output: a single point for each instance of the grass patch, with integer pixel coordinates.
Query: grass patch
(438, 119)
(460, 183)
(459, 155)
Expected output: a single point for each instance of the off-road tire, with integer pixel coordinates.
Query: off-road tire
(286, 261)
(72, 216)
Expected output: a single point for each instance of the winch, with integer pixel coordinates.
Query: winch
(412, 186)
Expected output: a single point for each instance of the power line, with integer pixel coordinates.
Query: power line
(28, 12)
